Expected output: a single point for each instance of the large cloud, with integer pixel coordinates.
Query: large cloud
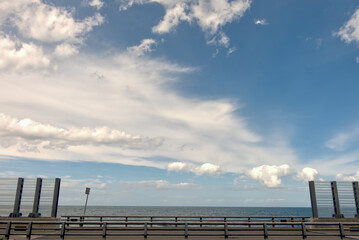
(211, 16)
(47, 136)
(270, 175)
(350, 31)
(135, 95)
(38, 24)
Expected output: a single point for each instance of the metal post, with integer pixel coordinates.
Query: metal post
(336, 203)
(55, 199)
(87, 192)
(313, 199)
(37, 195)
(17, 203)
(356, 197)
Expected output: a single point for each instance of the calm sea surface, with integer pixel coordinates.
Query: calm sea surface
(184, 211)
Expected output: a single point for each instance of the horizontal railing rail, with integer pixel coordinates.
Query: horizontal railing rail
(204, 219)
(185, 230)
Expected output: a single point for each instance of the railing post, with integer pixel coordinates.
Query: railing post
(356, 197)
(37, 195)
(17, 203)
(62, 234)
(265, 231)
(28, 232)
(186, 231)
(341, 229)
(7, 232)
(55, 198)
(126, 219)
(337, 213)
(225, 230)
(145, 231)
(249, 220)
(313, 199)
(304, 231)
(104, 231)
(200, 219)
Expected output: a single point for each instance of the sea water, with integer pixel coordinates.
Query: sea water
(183, 211)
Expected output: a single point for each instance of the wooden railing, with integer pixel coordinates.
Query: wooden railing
(185, 230)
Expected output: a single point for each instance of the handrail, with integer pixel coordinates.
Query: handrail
(183, 218)
(145, 229)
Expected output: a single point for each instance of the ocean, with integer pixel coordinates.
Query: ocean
(184, 211)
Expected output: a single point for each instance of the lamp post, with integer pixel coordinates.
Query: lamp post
(87, 192)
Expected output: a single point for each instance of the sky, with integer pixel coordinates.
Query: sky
(180, 102)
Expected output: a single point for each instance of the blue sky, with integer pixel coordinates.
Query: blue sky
(195, 103)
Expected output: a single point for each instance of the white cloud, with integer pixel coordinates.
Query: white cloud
(98, 4)
(204, 169)
(207, 168)
(158, 184)
(136, 95)
(349, 32)
(177, 166)
(37, 135)
(211, 16)
(357, 59)
(144, 47)
(231, 50)
(342, 140)
(40, 23)
(261, 22)
(82, 183)
(174, 15)
(53, 24)
(306, 174)
(270, 175)
(8, 7)
(15, 55)
(66, 50)
(343, 177)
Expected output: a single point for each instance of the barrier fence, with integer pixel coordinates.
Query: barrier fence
(176, 230)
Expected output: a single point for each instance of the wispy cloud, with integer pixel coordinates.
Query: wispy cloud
(133, 95)
(341, 141)
(145, 46)
(211, 16)
(261, 21)
(349, 32)
(158, 184)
